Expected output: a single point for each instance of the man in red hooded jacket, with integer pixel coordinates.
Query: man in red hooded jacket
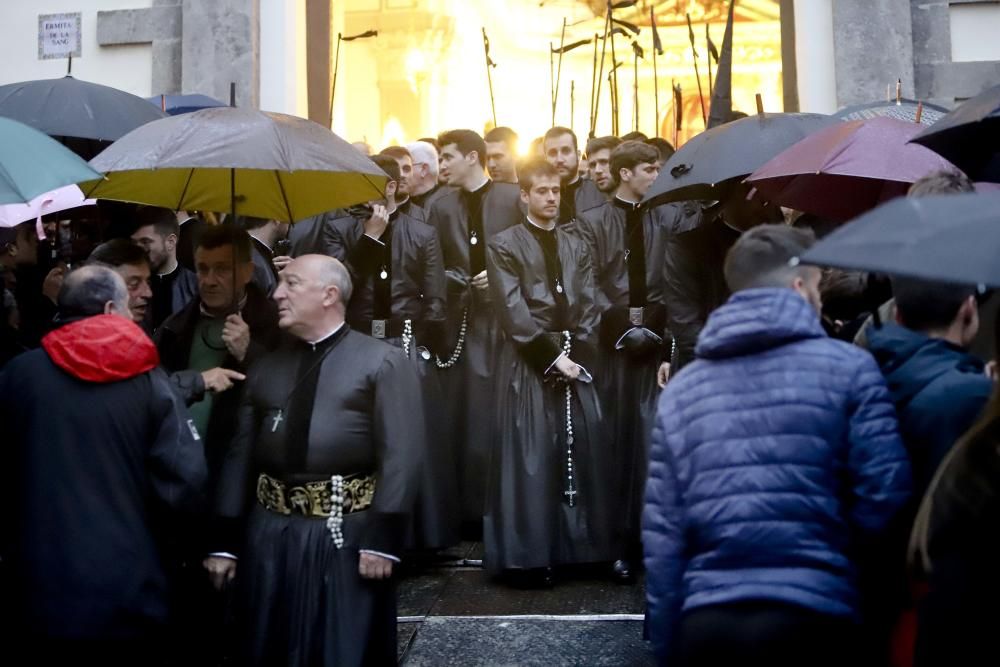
(99, 463)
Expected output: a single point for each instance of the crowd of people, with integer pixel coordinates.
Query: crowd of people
(225, 439)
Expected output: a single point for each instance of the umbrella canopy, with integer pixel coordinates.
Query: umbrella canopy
(60, 199)
(704, 165)
(904, 109)
(846, 169)
(175, 105)
(32, 164)
(943, 238)
(240, 161)
(969, 136)
(71, 108)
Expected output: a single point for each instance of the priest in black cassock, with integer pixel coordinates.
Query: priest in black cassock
(628, 243)
(578, 194)
(399, 296)
(322, 467)
(551, 482)
(465, 219)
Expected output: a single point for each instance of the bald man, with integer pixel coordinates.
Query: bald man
(328, 440)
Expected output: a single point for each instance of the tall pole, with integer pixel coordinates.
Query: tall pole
(489, 76)
(333, 86)
(572, 101)
(593, 88)
(614, 86)
(600, 70)
(635, 88)
(656, 79)
(697, 76)
(552, 83)
(555, 95)
(708, 45)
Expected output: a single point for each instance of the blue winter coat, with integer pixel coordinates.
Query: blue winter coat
(770, 453)
(939, 391)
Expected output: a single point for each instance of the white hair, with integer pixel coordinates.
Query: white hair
(423, 152)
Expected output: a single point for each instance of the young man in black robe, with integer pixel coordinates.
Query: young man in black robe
(599, 160)
(326, 452)
(399, 296)
(173, 285)
(578, 194)
(550, 475)
(404, 202)
(628, 243)
(465, 219)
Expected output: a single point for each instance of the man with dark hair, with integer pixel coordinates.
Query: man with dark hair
(635, 136)
(627, 242)
(501, 149)
(550, 478)
(173, 286)
(599, 157)
(99, 461)
(404, 202)
(775, 461)
(327, 449)
(264, 235)
(939, 388)
(465, 219)
(208, 347)
(399, 296)
(578, 195)
(665, 148)
(131, 262)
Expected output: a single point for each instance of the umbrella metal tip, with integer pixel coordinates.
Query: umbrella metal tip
(794, 261)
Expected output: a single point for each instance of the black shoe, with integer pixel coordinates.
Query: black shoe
(621, 571)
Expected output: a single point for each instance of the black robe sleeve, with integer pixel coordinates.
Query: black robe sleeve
(435, 293)
(505, 285)
(399, 440)
(233, 491)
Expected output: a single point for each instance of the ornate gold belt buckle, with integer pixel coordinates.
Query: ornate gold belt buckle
(379, 328)
(300, 500)
(635, 316)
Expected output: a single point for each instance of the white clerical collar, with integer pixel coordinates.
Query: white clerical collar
(485, 182)
(314, 343)
(626, 201)
(535, 224)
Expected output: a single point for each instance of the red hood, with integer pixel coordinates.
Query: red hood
(103, 348)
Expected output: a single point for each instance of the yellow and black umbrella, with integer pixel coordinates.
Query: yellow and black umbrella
(238, 161)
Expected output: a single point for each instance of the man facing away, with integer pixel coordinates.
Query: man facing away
(465, 219)
(551, 476)
(173, 285)
(775, 457)
(578, 195)
(328, 446)
(99, 463)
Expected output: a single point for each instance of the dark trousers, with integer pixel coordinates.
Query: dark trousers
(766, 633)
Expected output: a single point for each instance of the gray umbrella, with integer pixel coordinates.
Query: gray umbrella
(703, 166)
(942, 238)
(902, 110)
(68, 108)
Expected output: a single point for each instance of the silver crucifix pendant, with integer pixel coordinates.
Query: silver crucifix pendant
(278, 418)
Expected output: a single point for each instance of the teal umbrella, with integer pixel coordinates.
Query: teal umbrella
(31, 163)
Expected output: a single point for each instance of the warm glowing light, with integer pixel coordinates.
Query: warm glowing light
(392, 134)
(524, 146)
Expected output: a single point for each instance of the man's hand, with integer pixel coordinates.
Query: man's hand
(663, 374)
(218, 379)
(568, 367)
(53, 282)
(375, 225)
(480, 282)
(220, 570)
(374, 567)
(236, 336)
(281, 261)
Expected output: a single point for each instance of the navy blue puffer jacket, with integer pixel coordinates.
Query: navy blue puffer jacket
(771, 454)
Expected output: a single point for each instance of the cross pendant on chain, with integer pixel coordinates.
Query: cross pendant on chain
(278, 418)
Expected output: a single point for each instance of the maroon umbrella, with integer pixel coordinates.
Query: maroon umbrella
(849, 168)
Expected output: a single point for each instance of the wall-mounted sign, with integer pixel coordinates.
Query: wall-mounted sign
(58, 36)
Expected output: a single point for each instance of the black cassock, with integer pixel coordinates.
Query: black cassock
(340, 407)
(578, 198)
(628, 244)
(396, 278)
(549, 499)
(465, 221)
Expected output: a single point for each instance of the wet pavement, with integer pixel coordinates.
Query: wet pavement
(453, 613)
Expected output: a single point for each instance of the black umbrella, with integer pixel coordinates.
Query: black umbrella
(941, 238)
(84, 116)
(718, 157)
(969, 136)
(902, 110)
